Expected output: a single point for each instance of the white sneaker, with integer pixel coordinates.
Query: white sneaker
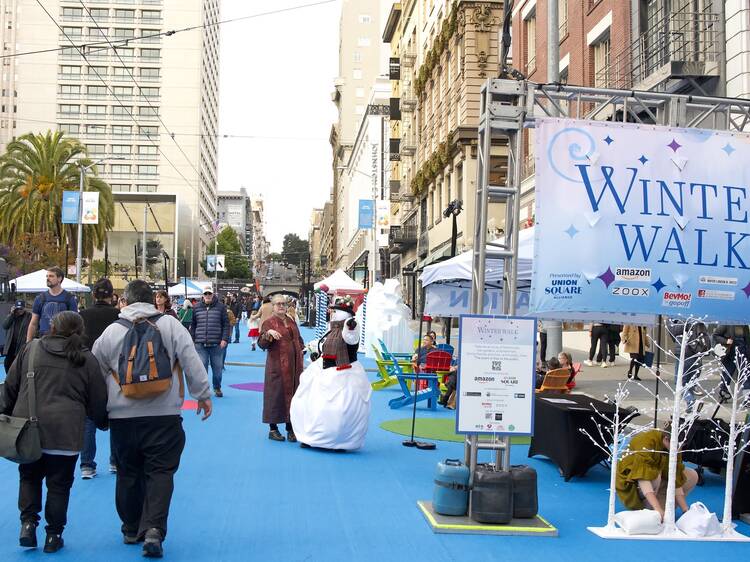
(88, 473)
(611, 363)
(604, 365)
(589, 363)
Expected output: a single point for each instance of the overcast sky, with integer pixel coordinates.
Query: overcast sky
(277, 75)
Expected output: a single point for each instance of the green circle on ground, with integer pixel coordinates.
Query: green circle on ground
(437, 429)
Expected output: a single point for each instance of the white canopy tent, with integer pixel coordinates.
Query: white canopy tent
(37, 283)
(339, 281)
(448, 287)
(185, 288)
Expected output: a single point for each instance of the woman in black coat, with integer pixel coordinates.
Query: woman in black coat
(69, 387)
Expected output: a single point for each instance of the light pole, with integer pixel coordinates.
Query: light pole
(83, 169)
(375, 250)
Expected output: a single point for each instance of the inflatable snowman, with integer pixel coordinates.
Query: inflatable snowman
(331, 408)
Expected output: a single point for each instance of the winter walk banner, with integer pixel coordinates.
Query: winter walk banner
(641, 219)
(70, 207)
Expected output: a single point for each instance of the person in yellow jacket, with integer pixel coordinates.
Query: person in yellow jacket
(642, 474)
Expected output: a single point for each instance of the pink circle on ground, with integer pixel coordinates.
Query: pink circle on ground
(189, 405)
(251, 386)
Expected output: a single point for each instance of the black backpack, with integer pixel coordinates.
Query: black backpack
(144, 368)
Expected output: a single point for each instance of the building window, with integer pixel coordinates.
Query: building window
(363, 42)
(365, 18)
(147, 150)
(146, 188)
(151, 16)
(148, 131)
(99, 13)
(70, 70)
(152, 93)
(123, 33)
(120, 186)
(97, 150)
(96, 130)
(122, 71)
(120, 170)
(70, 128)
(72, 13)
(357, 56)
(530, 44)
(600, 55)
(149, 73)
(96, 109)
(67, 90)
(125, 15)
(122, 111)
(121, 149)
(148, 111)
(146, 170)
(69, 109)
(72, 31)
(121, 130)
(96, 91)
(122, 92)
(562, 12)
(152, 54)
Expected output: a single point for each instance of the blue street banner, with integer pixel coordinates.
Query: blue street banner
(70, 207)
(641, 219)
(366, 213)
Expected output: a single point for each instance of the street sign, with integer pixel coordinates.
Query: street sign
(215, 263)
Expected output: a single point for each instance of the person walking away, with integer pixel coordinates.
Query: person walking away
(185, 315)
(210, 329)
(16, 326)
(598, 333)
(47, 304)
(636, 343)
(146, 424)
(280, 337)
(254, 325)
(542, 342)
(236, 308)
(699, 342)
(613, 342)
(736, 340)
(69, 388)
(96, 319)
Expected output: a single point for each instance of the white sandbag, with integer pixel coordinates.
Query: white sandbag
(639, 522)
(698, 521)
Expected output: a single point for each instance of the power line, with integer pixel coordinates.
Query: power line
(129, 113)
(168, 33)
(156, 110)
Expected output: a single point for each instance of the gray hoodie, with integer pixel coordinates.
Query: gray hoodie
(178, 344)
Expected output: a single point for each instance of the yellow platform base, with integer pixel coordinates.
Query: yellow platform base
(537, 527)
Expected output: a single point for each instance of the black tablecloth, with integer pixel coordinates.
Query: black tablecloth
(558, 436)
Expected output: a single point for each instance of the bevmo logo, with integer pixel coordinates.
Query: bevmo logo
(677, 300)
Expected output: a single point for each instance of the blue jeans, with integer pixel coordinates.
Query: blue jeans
(88, 454)
(214, 354)
(237, 332)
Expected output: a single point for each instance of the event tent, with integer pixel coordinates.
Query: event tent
(37, 283)
(339, 281)
(186, 288)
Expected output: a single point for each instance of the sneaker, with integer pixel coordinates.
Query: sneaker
(87, 473)
(113, 469)
(218, 393)
(275, 435)
(53, 543)
(130, 539)
(152, 544)
(27, 538)
(604, 365)
(589, 363)
(611, 363)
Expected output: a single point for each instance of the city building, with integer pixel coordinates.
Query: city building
(363, 178)
(362, 59)
(143, 100)
(314, 238)
(260, 245)
(235, 210)
(672, 46)
(446, 50)
(327, 240)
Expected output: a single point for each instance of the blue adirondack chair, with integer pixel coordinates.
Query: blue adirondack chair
(445, 347)
(409, 396)
(398, 356)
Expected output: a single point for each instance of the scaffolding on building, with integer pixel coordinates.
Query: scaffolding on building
(507, 108)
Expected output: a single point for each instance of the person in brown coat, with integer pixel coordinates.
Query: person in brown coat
(635, 340)
(280, 337)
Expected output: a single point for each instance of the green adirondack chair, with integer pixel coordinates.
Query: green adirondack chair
(386, 371)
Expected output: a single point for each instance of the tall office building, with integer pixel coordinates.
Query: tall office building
(144, 101)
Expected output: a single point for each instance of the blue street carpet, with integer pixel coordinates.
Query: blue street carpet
(239, 497)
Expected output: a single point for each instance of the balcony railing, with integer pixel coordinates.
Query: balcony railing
(409, 57)
(681, 44)
(403, 236)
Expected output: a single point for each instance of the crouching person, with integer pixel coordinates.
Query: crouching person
(642, 475)
(143, 355)
(69, 388)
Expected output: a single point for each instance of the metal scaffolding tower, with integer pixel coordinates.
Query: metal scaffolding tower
(507, 108)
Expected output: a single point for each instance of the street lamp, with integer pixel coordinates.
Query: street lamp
(79, 253)
(454, 209)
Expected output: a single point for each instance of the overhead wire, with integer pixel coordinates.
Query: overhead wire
(173, 31)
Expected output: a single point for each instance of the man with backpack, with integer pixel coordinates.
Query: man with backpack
(143, 356)
(211, 333)
(96, 319)
(48, 304)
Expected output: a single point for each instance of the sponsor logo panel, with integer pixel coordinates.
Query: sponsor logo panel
(631, 291)
(716, 294)
(677, 300)
(713, 280)
(632, 274)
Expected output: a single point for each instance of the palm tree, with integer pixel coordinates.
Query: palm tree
(34, 172)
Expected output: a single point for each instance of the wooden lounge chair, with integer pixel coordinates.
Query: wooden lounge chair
(555, 381)
(387, 378)
(431, 394)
